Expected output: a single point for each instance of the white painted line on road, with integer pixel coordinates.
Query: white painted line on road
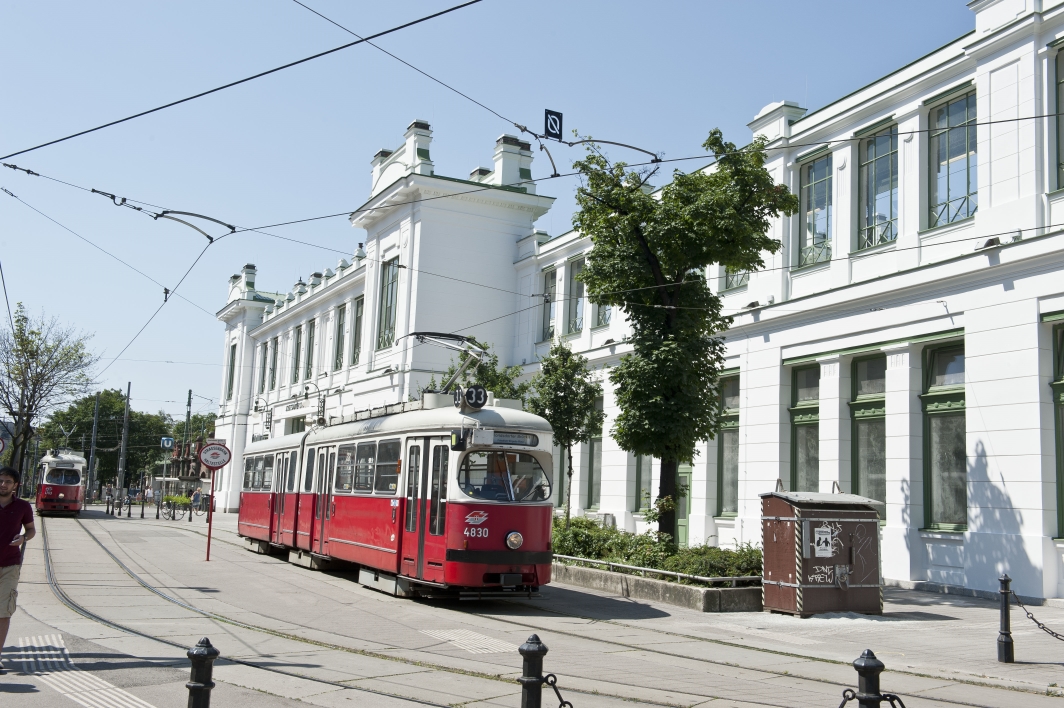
(46, 657)
(471, 641)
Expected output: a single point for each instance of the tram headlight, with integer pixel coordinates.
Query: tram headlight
(514, 539)
(62, 496)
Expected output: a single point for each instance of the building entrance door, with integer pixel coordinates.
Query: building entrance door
(683, 506)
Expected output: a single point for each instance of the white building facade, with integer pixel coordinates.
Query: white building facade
(907, 342)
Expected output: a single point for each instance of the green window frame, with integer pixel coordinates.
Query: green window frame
(232, 373)
(945, 449)
(805, 429)
(878, 195)
(603, 315)
(308, 371)
(953, 153)
(389, 295)
(644, 477)
(262, 366)
(868, 421)
(728, 449)
(356, 330)
(338, 344)
(574, 322)
(735, 278)
(550, 305)
(273, 363)
(297, 350)
(815, 231)
(594, 467)
(1057, 386)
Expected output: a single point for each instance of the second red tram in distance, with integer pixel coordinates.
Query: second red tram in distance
(62, 486)
(427, 499)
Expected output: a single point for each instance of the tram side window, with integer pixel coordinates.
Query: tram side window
(282, 470)
(256, 481)
(503, 476)
(345, 468)
(60, 476)
(364, 464)
(249, 472)
(291, 472)
(267, 473)
(308, 476)
(413, 471)
(438, 500)
(388, 467)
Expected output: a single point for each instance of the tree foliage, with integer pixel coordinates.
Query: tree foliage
(42, 365)
(650, 256)
(564, 393)
(145, 431)
(500, 380)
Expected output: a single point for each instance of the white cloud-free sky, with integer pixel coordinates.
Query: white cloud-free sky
(298, 143)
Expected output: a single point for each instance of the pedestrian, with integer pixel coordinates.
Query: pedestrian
(16, 527)
(149, 495)
(196, 498)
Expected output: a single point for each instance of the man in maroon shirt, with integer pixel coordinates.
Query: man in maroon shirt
(15, 515)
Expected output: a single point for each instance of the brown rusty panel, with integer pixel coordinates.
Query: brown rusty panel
(781, 599)
(854, 546)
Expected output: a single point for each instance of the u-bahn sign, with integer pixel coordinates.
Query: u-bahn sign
(215, 456)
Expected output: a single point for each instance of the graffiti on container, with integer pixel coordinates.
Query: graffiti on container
(862, 542)
(822, 574)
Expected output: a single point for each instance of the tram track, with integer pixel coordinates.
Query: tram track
(541, 628)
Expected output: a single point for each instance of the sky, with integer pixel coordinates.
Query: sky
(297, 144)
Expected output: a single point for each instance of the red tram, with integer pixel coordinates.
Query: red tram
(63, 483)
(426, 499)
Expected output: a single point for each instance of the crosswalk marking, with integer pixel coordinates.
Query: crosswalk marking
(470, 641)
(46, 657)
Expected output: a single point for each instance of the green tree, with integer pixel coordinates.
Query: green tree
(502, 381)
(650, 256)
(145, 431)
(200, 424)
(564, 393)
(43, 364)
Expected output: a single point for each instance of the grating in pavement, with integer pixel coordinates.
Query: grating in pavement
(46, 657)
(471, 641)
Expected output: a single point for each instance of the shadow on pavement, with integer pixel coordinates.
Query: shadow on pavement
(18, 688)
(573, 602)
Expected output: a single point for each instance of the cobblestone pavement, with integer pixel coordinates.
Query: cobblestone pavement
(336, 640)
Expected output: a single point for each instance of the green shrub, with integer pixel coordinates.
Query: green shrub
(178, 499)
(586, 539)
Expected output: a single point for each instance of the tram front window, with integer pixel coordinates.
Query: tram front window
(503, 476)
(60, 476)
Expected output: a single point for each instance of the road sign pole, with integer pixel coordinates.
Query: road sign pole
(214, 456)
(210, 514)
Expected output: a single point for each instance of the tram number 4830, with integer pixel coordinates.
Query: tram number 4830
(476, 532)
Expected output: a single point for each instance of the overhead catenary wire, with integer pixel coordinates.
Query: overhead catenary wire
(243, 81)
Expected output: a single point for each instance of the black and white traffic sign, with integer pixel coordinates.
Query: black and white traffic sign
(552, 124)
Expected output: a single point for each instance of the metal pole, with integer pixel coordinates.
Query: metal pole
(531, 679)
(868, 670)
(200, 684)
(125, 437)
(1005, 646)
(210, 513)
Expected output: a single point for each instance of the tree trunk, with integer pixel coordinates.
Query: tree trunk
(667, 488)
(569, 486)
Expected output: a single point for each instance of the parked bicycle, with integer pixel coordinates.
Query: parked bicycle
(172, 511)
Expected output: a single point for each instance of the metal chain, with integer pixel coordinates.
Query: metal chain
(552, 681)
(1031, 617)
(849, 694)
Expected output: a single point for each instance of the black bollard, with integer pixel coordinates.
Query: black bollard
(158, 507)
(531, 680)
(1006, 648)
(868, 670)
(190, 513)
(142, 507)
(129, 510)
(199, 685)
(108, 512)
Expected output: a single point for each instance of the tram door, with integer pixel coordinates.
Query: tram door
(277, 508)
(326, 507)
(412, 507)
(432, 543)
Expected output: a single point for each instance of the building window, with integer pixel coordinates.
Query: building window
(603, 313)
(644, 475)
(575, 297)
(952, 150)
(262, 367)
(594, 466)
(805, 430)
(728, 448)
(550, 305)
(1058, 413)
(868, 414)
(309, 370)
(297, 349)
(735, 278)
(338, 342)
(356, 331)
(815, 245)
(945, 456)
(389, 295)
(232, 373)
(273, 363)
(879, 188)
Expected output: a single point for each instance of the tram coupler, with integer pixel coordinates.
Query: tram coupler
(200, 684)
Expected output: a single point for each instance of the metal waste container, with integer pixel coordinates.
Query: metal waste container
(821, 554)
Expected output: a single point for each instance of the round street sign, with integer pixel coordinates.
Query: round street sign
(215, 456)
(2, 444)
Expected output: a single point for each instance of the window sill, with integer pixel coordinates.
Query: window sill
(597, 328)
(957, 225)
(572, 335)
(734, 290)
(875, 250)
(950, 532)
(730, 516)
(810, 268)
